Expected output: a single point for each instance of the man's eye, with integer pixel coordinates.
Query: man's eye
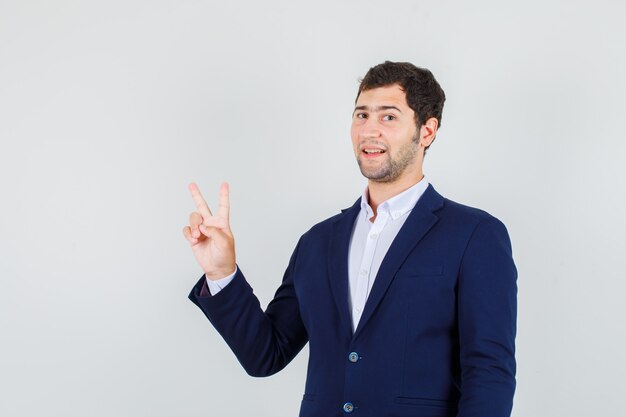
(389, 117)
(361, 116)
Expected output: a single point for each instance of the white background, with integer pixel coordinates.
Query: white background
(108, 109)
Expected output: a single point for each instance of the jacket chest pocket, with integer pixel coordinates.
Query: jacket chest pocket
(421, 271)
(429, 294)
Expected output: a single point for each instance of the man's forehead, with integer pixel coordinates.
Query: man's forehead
(388, 96)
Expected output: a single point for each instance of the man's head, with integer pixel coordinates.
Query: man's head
(398, 111)
(423, 93)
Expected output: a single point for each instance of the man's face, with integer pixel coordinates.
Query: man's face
(384, 134)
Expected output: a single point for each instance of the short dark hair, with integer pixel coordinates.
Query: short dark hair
(424, 95)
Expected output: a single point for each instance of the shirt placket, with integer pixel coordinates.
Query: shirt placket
(364, 277)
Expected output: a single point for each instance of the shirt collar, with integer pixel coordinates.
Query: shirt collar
(398, 205)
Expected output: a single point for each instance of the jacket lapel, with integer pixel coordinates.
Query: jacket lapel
(338, 262)
(419, 222)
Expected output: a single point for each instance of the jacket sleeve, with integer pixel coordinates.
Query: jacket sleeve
(264, 342)
(487, 311)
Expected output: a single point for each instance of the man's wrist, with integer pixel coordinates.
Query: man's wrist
(218, 275)
(217, 285)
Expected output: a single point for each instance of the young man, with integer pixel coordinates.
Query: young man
(407, 299)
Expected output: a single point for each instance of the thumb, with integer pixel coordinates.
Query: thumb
(214, 233)
(209, 231)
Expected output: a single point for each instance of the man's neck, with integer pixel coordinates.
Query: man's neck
(379, 192)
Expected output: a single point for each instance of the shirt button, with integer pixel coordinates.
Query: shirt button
(373, 236)
(348, 407)
(353, 357)
(364, 272)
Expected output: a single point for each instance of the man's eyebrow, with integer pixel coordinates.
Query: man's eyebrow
(377, 108)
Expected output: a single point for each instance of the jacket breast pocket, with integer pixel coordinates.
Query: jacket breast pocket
(428, 294)
(421, 271)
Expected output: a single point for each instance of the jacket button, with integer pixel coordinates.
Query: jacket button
(348, 407)
(353, 357)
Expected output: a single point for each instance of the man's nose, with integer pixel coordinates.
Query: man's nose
(371, 128)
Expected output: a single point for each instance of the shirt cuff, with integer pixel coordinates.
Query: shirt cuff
(218, 285)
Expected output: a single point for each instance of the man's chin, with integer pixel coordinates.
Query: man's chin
(376, 176)
(380, 173)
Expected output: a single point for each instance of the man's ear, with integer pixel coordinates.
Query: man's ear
(428, 131)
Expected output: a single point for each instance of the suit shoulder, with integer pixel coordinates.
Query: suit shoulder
(324, 227)
(474, 223)
(463, 213)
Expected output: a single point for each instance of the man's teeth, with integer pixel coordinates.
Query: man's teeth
(374, 151)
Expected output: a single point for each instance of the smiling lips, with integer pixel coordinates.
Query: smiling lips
(371, 153)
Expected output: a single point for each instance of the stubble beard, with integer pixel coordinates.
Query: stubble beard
(391, 169)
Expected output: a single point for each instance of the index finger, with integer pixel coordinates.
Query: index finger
(201, 204)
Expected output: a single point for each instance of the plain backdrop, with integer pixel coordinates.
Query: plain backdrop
(108, 109)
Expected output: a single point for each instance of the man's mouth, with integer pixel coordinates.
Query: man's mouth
(372, 152)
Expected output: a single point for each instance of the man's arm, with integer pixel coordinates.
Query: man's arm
(264, 342)
(487, 311)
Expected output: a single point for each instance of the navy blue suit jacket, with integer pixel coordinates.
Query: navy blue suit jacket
(437, 335)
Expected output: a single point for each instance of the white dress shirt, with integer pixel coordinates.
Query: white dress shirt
(371, 240)
(368, 244)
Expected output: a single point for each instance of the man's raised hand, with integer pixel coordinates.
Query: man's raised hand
(210, 236)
